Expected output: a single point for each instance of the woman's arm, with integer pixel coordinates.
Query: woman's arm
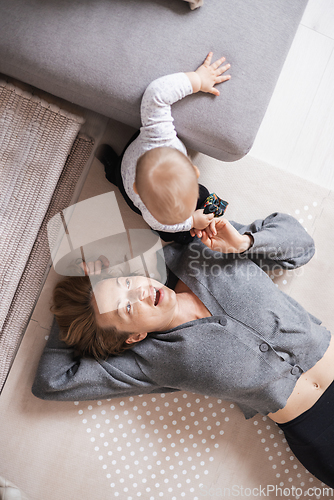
(63, 376)
(277, 239)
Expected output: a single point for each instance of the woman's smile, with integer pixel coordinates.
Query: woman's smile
(135, 304)
(158, 296)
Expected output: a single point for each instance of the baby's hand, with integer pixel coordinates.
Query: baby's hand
(210, 230)
(208, 75)
(200, 221)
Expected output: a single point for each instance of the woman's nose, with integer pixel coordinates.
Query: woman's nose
(139, 294)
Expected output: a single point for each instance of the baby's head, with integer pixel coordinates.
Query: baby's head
(166, 181)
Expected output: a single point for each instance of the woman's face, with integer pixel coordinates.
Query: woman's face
(134, 304)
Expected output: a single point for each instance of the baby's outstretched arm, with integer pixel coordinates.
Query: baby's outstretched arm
(158, 128)
(208, 75)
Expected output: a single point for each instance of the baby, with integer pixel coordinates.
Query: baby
(156, 176)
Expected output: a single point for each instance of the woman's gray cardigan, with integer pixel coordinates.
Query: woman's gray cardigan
(251, 350)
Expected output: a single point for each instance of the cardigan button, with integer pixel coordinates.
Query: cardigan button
(264, 347)
(223, 321)
(295, 370)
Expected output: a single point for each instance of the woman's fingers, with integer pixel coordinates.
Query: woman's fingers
(220, 224)
(88, 268)
(95, 266)
(212, 227)
(205, 239)
(104, 260)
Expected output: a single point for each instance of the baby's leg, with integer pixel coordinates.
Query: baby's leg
(110, 160)
(112, 166)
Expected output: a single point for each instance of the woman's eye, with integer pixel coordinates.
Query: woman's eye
(127, 281)
(128, 307)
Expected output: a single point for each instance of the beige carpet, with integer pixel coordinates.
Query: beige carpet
(39, 260)
(169, 446)
(35, 140)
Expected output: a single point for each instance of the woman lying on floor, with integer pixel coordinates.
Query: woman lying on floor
(225, 330)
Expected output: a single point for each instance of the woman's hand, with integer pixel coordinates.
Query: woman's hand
(221, 236)
(95, 267)
(208, 75)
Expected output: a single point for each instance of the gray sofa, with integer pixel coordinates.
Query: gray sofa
(101, 54)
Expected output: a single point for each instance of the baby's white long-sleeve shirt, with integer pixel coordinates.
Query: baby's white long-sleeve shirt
(157, 131)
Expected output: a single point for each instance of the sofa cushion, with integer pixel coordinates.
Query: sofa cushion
(102, 55)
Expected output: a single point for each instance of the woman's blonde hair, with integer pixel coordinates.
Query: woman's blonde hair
(73, 308)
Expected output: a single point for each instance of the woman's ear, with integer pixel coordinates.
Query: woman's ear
(136, 337)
